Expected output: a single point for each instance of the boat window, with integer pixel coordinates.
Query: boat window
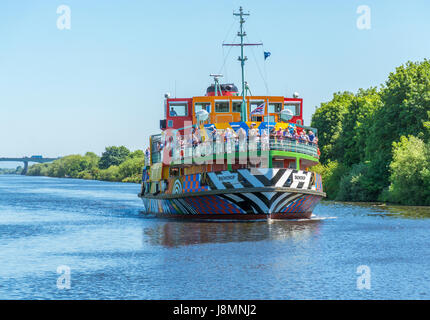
(275, 107)
(293, 107)
(222, 106)
(277, 163)
(254, 104)
(257, 118)
(292, 164)
(269, 119)
(202, 106)
(178, 109)
(237, 106)
(174, 172)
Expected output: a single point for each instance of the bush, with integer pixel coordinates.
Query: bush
(357, 185)
(130, 168)
(39, 169)
(331, 174)
(109, 174)
(410, 172)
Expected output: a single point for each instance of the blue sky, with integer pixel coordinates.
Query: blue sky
(102, 82)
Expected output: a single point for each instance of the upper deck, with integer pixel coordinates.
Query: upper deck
(180, 112)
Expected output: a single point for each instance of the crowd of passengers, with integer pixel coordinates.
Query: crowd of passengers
(240, 136)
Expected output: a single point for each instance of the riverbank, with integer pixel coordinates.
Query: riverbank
(116, 164)
(386, 209)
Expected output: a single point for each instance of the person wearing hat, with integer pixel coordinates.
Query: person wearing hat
(241, 134)
(291, 129)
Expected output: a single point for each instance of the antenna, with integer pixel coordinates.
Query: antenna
(242, 58)
(217, 85)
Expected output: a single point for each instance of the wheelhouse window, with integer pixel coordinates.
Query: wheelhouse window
(275, 107)
(202, 106)
(178, 109)
(269, 119)
(237, 106)
(293, 107)
(222, 106)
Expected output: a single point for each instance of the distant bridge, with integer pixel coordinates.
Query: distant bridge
(26, 160)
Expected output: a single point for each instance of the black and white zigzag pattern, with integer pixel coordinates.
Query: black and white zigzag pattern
(261, 202)
(255, 178)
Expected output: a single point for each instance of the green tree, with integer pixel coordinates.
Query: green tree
(113, 156)
(328, 119)
(131, 169)
(410, 172)
(110, 174)
(355, 126)
(357, 185)
(137, 154)
(331, 174)
(406, 102)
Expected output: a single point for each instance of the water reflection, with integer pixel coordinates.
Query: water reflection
(182, 233)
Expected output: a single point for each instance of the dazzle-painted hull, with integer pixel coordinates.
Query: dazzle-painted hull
(244, 194)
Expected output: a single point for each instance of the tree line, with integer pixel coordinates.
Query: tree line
(375, 144)
(16, 170)
(115, 164)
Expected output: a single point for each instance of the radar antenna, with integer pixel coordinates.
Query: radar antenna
(217, 85)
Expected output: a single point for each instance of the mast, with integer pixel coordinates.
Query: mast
(242, 59)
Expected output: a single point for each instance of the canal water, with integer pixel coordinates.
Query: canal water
(95, 230)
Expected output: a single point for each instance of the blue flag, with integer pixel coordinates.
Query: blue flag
(266, 55)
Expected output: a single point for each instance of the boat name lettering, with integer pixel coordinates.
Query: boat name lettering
(227, 177)
(298, 176)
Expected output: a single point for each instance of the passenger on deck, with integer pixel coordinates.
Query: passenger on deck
(241, 136)
(230, 140)
(287, 134)
(302, 137)
(253, 135)
(195, 138)
(296, 135)
(272, 133)
(265, 140)
(213, 133)
(279, 135)
(311, 136)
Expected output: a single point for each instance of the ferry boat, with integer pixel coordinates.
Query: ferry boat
(230, 155)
